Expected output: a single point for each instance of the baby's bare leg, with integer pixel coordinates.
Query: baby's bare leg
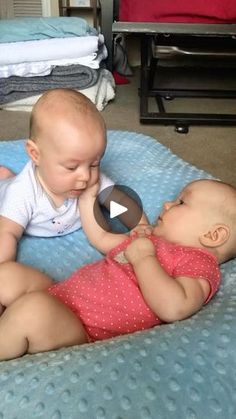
(38, 322)
(17, 279)
(5, 173)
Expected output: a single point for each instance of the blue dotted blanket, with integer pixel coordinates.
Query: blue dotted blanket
(183, 370)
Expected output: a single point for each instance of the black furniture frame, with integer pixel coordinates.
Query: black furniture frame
(211, 44)
(210, 39)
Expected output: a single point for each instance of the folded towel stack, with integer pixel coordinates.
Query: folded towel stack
(39, 54)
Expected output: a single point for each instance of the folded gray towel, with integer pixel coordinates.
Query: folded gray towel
(74, 76)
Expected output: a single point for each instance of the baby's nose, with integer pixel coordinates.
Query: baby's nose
(167, 205)
(84, 175)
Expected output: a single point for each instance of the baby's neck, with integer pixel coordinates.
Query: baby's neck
(56, 200)
(220, 256)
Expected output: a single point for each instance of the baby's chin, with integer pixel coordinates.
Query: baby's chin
(75, 193)
(157, 231)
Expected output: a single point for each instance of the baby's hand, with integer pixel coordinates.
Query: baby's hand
(138, 249)
(91, 191)
(142, 230)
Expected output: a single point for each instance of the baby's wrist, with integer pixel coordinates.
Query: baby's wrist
(143, 259)
(87, 196)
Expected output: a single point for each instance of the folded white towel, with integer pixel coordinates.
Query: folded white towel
(49, 49)
(103, 91)
(43, 68)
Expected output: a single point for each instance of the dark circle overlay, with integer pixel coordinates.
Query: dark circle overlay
(124, 222)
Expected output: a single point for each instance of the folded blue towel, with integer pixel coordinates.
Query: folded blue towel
(31, 28)
(183, 370)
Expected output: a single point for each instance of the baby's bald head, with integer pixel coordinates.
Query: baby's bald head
(59, 105)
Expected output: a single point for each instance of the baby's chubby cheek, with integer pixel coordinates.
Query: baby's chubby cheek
(94, 177)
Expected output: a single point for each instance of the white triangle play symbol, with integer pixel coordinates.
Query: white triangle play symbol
(116, 209)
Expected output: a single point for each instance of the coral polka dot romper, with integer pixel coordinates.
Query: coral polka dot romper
(106, 297)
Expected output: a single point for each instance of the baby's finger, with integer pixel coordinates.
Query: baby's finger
(148, 230)
(141, 233)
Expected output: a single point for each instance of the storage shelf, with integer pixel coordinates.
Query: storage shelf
(67, 8)
(94, 8)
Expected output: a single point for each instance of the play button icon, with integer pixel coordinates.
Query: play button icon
(123, 209)
(116, 209)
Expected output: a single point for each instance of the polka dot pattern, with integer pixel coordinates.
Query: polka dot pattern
(107, 299)
(184, 370)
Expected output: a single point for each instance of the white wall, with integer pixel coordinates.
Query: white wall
(54, 7)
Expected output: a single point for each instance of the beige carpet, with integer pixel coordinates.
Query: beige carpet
(212, 148)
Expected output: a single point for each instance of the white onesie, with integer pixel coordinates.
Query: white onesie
(23, 200)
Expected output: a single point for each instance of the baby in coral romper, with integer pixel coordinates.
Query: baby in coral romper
(160, 273)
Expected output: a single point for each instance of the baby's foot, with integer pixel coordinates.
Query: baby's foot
(5, 173)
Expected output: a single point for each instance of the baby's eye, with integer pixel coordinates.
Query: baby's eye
(71, 169)
(181, 202)
(93, 166)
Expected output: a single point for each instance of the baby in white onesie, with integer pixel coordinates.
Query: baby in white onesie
(66, 143)
(24, 201)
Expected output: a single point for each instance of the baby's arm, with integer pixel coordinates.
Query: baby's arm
(10, 234)
(103, 240)
(170, 299)
(118, 196)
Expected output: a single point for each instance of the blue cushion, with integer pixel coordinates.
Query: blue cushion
(183, 370)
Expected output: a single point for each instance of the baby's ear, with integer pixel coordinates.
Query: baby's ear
(215, 236)
(33, 151)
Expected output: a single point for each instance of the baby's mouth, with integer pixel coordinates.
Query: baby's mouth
(77, 191)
